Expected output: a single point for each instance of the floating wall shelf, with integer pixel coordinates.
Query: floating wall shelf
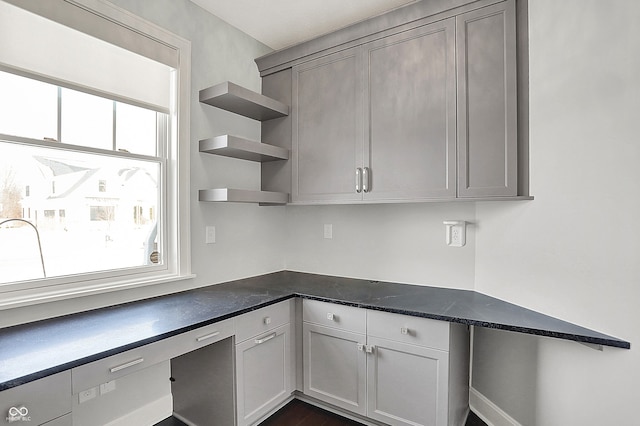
(233, 146)
(237, 99)
(229, 195)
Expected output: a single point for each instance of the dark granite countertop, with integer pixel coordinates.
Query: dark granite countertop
(38, 349)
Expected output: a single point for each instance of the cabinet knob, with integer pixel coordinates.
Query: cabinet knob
(266, 320)
(369, 349)
(360, 347)
(331, 317)
(404, 330)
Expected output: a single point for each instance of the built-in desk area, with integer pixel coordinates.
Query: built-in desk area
(230, 315)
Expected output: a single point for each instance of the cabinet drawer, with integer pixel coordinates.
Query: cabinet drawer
(261, 320)
(39, 401)
(334, 315)
(113, 367)
(408, 329)
(203, 336)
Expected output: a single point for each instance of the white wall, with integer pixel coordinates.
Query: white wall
(573, 252)
(387, 242)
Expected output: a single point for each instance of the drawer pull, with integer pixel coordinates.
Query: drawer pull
(266, 338)
(207, 336)
(126, 365)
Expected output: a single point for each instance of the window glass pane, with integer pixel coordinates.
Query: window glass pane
(135, 129)
(28, 107)
(100, 218)
(87, 120)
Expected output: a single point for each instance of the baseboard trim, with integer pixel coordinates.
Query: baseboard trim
(489, 412)
(148, 414)
(336, 410)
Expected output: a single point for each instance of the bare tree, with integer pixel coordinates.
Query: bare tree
(10, 195)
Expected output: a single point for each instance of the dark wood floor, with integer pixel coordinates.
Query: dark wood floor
(298, 413)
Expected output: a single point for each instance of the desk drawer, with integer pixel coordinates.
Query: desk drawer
(262, 320)
(113, 367)
(407, 329)
(334, 315)
(37, 402)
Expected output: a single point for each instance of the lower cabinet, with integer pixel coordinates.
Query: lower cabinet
(334, 367)
(44, 401)
(397, 369)
(264, 362)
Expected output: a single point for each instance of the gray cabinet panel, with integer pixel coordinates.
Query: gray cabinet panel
(327, 128)
(412, 114)
(487, 120)
(334, 367)
(421, 373)
(37, 402)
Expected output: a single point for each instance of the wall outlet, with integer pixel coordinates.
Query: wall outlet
(107, 387)
(210, 235)
(456, 232)
(86, 395)
(328, 231)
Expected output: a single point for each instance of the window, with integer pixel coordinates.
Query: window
(91, 137)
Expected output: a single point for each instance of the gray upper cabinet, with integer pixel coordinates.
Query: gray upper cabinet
(411, 100)
(327, 114)
(487, 102)
(426, 110)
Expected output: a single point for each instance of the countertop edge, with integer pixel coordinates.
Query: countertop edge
(604, 340)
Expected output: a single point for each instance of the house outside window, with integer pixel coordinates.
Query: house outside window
(84, 129)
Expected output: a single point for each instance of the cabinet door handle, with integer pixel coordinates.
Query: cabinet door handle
(366, 187)
(358, 180)
(126, 365)
(265, 338)
(207, 336)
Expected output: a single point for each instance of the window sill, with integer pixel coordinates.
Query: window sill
(21, 298)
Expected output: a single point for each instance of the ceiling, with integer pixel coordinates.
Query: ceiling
(281, 23)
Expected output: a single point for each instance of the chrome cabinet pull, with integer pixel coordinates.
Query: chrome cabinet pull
(126, 365)
(365, 180)
(358, 180)
(266, 338)
(207, 336)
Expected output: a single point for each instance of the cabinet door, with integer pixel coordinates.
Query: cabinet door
(487, 120)
(334, 367)
(407, 384)
(327, 128)
(263, 374)
(411, 101)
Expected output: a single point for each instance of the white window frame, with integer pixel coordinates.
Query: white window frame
(176, 196)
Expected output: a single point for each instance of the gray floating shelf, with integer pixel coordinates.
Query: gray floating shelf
(237, 99)
(228, 195)
(233, 146)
